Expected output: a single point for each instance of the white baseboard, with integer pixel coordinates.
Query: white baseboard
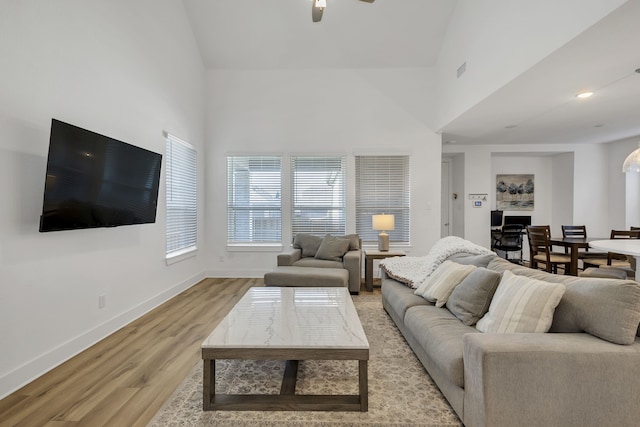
(38, 366)
(237, 274)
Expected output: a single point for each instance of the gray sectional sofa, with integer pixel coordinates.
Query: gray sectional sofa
(584, 372)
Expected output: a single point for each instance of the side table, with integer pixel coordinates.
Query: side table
(369, 256)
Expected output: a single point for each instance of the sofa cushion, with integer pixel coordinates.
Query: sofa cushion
(308, 243)
(440, 334)
(470, 300)
(521, 304)
(470, 259)
(400, 297)
(332, 248)
(442, 281)
(606, 308)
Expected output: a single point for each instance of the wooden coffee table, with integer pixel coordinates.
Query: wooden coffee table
(288, 323)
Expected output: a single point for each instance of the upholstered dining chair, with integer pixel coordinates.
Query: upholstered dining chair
(540, 250)
(613, 259)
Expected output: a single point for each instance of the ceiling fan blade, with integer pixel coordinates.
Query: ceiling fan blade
(316, 12)
(368, 1)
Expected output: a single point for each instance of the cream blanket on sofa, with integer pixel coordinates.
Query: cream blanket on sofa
(415, 270)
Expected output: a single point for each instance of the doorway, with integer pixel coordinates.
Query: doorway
(445, 198)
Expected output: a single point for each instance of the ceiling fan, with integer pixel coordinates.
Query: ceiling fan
(318, 6)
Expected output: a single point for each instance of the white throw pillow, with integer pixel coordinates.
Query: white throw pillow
(438, 287)
(521, 304)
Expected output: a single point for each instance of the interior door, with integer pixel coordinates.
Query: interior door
(445, 199)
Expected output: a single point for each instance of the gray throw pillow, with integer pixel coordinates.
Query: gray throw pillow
(470, 300)
(308, 243)
(332, 248)
(354, 240)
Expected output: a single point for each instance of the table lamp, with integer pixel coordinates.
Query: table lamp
(384, 223)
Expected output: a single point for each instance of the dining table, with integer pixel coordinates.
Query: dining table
(574, 244)
(620, 246)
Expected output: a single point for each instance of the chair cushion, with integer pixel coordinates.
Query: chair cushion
(521, 304)
(603, 261)
(332, 248)
(470, 300)
(553, 257)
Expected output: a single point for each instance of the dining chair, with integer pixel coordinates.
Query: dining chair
(580, 232)
(613, 259)
(541, 252)
(510, 240)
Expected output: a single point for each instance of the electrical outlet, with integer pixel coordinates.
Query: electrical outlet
(102, 301)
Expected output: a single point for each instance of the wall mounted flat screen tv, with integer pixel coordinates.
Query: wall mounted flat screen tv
(96, 181)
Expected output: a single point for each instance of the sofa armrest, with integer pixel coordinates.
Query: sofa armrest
(553, 379)
(352, 262)
(287, 259)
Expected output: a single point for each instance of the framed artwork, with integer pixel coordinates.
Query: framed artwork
(514, 192)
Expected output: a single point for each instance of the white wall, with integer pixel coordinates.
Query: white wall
(562, 209)
(319, 111)
(585, 192)
(476, 35)
(128, 70)
(623, 189)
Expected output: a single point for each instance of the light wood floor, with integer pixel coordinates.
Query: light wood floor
(124, 379)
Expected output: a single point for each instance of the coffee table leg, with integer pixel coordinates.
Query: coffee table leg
(363, 385)
(290, 377)
(208, 384)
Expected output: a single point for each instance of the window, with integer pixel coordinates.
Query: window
(382, 186)
(180, 160)
(254, 204)
(317, 195)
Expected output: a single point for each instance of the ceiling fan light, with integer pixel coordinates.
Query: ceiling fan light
(632, 162)
(320, 3)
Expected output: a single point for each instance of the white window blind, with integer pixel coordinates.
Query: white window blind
(254, 203)
(182, 221)
(317, 195)
(383, 186)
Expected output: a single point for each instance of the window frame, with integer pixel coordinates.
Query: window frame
(387, 190)
(181, 184)
(235, 243)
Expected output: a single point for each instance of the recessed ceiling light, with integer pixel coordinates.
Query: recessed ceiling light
(583, 95)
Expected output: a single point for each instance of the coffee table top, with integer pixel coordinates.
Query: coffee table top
(291, 318)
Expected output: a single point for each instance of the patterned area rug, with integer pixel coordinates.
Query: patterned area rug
(401, 393)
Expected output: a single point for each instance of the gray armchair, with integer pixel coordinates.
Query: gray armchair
(328, 252)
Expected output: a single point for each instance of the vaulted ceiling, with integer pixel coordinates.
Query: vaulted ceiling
(539, 106)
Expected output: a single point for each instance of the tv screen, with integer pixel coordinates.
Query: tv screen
(96, 181)
(525, 220)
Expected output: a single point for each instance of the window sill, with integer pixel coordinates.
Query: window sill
(255, 247)
(178, 256)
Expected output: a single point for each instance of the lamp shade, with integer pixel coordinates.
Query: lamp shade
(632, 162)
(384, 222)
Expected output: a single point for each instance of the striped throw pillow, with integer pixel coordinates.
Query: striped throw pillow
(521, 304)
(438, 287)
